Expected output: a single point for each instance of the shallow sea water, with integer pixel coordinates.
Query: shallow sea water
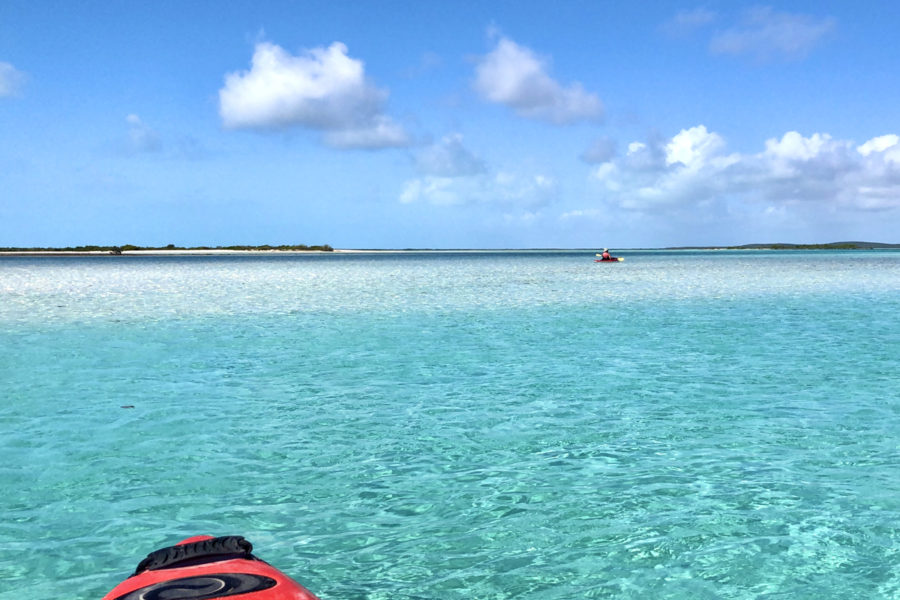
(458, 425)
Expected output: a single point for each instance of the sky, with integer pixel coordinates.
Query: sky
(448, 124)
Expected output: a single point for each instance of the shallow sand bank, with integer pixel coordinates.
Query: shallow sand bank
(186, 252)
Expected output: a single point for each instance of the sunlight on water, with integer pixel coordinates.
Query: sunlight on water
(60, 290)
(504, 425)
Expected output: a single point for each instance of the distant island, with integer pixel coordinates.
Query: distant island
(174, 248)
(782, 246)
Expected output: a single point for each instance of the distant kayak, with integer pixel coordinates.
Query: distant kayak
(208, 568)
(610, 260)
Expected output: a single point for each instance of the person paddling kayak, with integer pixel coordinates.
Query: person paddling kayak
(607, 257)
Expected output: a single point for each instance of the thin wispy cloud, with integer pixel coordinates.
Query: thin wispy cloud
(508, 190)
(600, 151)
(11, 80)
(141, 138)
(428, 62)
(514, 76)
(450, 174)
(448, 158)
(323, 89)
(760, 33)
(687, 22)
(767, 34)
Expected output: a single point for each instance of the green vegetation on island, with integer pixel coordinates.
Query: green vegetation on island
(326, 248)
(173, 247)
(782, 246)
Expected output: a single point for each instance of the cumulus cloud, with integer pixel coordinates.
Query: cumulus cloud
(323, 89)
(514, 76)
(663, 173)
(693, 148)
(693, 169)
(11, 80)
(452, 175)
(768, 34)
(887, 145)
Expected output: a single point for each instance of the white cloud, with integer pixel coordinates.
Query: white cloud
(794, 146)
(693, 147)
(887, 145)
(697, 173)
(636, 147)
(767, 34)
(324, 89)
(11, 80)
(878, 144)
(514, 76)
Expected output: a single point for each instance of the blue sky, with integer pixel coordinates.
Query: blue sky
(448, 124)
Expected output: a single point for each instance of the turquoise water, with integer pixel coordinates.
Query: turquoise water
(458, 425)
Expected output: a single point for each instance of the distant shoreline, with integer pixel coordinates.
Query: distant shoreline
(155, 252)
(298, 250)
(784, 246)
(171, 249)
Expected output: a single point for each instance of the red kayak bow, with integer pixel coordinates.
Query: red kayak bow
(207, 568)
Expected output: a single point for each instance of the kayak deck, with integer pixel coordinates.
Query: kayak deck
(208, 568)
